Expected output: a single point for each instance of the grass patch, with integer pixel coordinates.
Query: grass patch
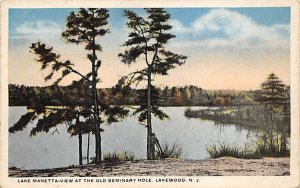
(169, 152)
(224, 150)
(118, 157)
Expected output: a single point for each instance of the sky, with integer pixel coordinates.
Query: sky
(227, 48)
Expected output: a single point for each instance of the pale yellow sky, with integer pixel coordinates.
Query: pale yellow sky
(209, 71)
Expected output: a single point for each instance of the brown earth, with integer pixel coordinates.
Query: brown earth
(170, 167)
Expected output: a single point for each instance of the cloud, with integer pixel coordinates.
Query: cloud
(39, 30)
(223, 28)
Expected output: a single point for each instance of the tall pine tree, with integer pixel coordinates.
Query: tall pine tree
(85, 27)
(146, 43)
(273, 92)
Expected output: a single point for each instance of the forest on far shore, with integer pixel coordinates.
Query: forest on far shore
(54, 95)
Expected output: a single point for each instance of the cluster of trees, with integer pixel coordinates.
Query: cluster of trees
(184, 96)
(274, 95)
(273, 99)
(145, 44)
(271, 113)
(230, 97)
(54, 95)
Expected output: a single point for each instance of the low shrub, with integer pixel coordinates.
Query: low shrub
(224, 150)
(271, 150)
(169, 152)
(118, 157)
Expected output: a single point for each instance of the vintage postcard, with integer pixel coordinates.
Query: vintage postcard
(150, 93)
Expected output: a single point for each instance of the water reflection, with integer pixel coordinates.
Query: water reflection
(58, 150)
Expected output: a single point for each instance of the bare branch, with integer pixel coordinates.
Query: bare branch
(55, 131)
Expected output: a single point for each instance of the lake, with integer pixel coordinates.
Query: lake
(47, 150)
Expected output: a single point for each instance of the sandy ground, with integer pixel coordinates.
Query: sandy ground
(169, 167)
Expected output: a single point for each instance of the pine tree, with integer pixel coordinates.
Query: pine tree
(273, 91)
(274, 95)
(147, 39)
(83, 27)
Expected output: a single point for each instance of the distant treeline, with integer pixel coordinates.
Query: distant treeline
(21, 95)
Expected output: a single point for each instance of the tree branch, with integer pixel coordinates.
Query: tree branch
(73, 70)
(55, 131)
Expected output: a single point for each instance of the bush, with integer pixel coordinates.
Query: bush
(169, 152)
(115, 158)
(271, 150)
(224, 150)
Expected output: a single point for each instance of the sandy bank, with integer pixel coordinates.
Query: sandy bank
(213, 167)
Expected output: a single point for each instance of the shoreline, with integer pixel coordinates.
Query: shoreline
(225, 166)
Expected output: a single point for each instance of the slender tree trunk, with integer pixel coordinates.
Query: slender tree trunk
(96, 122)
(96, 108)
(88, 150)
(150, 144)
(271, 141)
(79, 139)
(283, 143)
(277, 141)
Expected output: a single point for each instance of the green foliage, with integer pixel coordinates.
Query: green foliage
(155, 101)
(113, 113)
(224, 150)
(147, 39)
(86, 126)
(184, 96)
(274, 127)
(148, 36)
(78, 93)
(47, 58)
(258, 149)
(23, 121)
(273, 143)
(273, 91)
(169, 152)
(248, 116)
(85, 25)
(51, 118)
(118, 157)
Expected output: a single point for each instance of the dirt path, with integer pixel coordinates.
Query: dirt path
(213, 167)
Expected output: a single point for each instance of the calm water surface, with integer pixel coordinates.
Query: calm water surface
(47, 150)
